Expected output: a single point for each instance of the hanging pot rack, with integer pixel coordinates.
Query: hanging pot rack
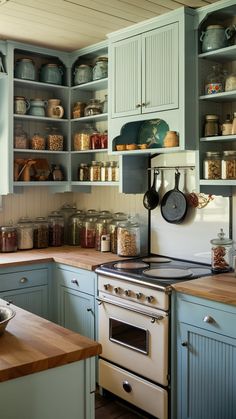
(176, 168)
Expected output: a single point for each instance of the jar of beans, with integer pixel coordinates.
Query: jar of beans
(88, 231)
(40, 233)
(128, 238)
(25, 234)
(212, 165)
(118, 218)
(8, 239)
(221, 253)
(38, 142)
(56, 229)
(228, 165)
(55, 140)
(83, 172)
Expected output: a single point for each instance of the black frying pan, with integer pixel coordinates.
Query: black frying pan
(174, 204)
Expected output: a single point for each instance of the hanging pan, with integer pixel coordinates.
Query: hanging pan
(174, 204)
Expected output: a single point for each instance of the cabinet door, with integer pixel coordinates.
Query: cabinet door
(33, 299)
(126, 77)
(76, 311)
(207, 381)
(160, 69)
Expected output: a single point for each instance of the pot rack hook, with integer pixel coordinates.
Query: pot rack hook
(177, 170)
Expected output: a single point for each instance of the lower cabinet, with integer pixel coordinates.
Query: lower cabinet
(26, 287)
(75, 299)
(206, 359)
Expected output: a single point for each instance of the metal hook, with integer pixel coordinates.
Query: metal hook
(176, 170)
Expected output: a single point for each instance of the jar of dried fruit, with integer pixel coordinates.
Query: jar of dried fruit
(128, 238)
(221, 253)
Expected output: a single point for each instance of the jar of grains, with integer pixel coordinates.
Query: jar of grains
(211, 126)
(104, 171)
(83, 172)
(128, 238)
(221, 253)
(21, 139)
(38, 142)
(113, 172)
(75, 224)
(81, 138)
(228, 165)
(118, 217)
(95, 171)
(56, 229)
(40, 233)
(102, 227)
(212, 165)
(88, 231)
(8, 239)
(55, 140)
(25, 234)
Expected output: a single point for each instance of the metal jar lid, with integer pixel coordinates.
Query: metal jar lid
(211, 117)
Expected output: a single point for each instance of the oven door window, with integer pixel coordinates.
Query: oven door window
(128, 335)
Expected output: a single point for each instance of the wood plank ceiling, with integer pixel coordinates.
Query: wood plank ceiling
(73, 24)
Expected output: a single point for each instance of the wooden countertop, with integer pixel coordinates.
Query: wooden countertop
(74, 256)
(31, 344)
(221, 288)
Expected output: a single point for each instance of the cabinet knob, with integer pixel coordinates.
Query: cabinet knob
(143, 104)
(184, 344)
(89, 309)
(23, 280)
(208, 319)
(126, 386)
(138, 105)
(75, 281)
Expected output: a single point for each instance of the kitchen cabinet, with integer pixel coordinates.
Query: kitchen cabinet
(153, 67)
(206, 357)
(220, 104)
(76, 299)
(27, 287)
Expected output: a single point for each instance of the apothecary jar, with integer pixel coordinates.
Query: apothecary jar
(56, 229)
(128, 238)
(25, 234)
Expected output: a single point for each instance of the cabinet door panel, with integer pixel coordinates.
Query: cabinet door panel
(207, 380)
(160, 65)
(126, 77)
(33, 299)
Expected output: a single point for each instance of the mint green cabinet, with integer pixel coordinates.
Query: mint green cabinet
(206, 359)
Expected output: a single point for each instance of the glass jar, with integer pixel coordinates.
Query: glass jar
(95, 171)
(57, 173)
(88, 231)
(25, 234)
(102, 227)
(78, 109)
(221, 253)
(55, 139)
(215, 81)
(84, 172)
(38, 142)
(100, 70)
(212, 165)
(21, 140)
(234, 125)
(66, 211)
(228, 165)
(128, 238)
(227, 126)
(105, 104)
(83, 74)
(104, 171)
(230, 82)
(75, 224)
(56, 229)
(211, 126)
(94, 107)
(104, 140)
(118, 217)
(40, 233)
(81, 138)
(95, 141)
(113, 172)
(8, 239)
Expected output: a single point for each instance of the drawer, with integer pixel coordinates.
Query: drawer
(207, 317)
(77, 279)
(145, 395)
(23, 279)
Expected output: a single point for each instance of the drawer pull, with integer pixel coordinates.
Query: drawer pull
(185, 344)
(89, 309)
(208, 319)
(75, 281)
(127, 387)
(23, 280)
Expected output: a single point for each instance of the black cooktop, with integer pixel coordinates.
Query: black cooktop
(155, 269)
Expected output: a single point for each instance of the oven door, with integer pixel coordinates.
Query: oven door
(133, 338)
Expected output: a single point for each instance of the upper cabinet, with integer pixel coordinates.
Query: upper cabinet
(152, 77)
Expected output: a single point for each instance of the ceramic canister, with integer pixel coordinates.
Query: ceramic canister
(21, 105)
(54, 109)
(37, 107)
(51, 73)
(215, 37)
(25, 69)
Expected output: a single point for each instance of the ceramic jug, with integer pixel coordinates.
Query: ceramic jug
(215, 37)
(54, 109)
(37, 107)
(21, 105)
(51, 73)
(25, 69)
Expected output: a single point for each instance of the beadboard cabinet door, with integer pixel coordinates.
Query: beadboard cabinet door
(33, 299)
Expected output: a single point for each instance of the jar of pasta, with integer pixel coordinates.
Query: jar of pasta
(212, 165)
(95, 171)
(228, 165)
(38, 142)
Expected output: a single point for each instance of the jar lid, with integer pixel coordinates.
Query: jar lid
(229, 153)
(213, 153)
(222, 240)
(7, 228)
(84, 66)
(105, 163)
(211, 117)
(40, 220)
(19, 98)
(26, 60)
(101, 59)
(113, 163)
(96, 163)
(214, 27)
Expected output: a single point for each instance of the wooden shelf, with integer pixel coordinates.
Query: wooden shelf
(40, 118)
(39, 85)
(92, 86)
(99, 117)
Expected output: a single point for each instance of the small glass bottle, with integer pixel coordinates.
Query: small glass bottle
(105, 104)
(215, 81)
(83, 172)
(128, 238)
(113, 172)
(234, 125)
(40, 233)
(56, 229)
(21, 140)
(211, 126)
(25, 237)
(104, 171)
(57, 174)
(227, 126)
(212, 165)
(8, 239)
(95, 171)
(221, 253)
(228, 165)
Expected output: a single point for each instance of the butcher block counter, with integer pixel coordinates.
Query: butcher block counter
(69, 255)
(220, 288)
(46, 371)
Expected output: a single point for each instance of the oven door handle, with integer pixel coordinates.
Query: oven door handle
(136, 310)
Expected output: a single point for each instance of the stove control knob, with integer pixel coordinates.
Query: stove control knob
(150, 299)
(107, 286)
(128, 293)
(117, 290)
(139, 295)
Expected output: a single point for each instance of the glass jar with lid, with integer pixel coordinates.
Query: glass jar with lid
(84, 172)
(95, 171)
(215, 80)
(221, 253)
(88, 231)
(212, 165)
(113, 172)
(78, 109)
(102, 227)
(81, 138)
(94, 107)
(8, 239)
(104, 171)
(227, 126)
(21, 140)
(40, 233)
(118, 217)
(38, 142)
(211, 126)
(228, 165)
(128, 238)
(56, 229)
(55, 139)
(83, 74)
(66, 211)
(234, 125)
(100, 69)
(25, 234)
(75, 224)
